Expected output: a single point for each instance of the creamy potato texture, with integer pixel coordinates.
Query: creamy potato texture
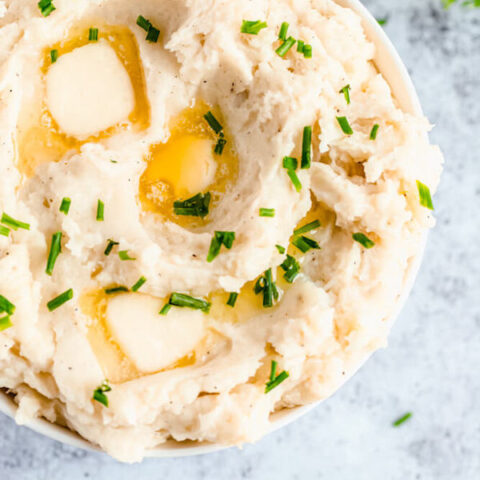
(94, 110)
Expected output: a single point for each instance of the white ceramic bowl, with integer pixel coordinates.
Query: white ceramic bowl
(394, 71)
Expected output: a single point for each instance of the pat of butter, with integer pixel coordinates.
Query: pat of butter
(153, 341)
(89, 90)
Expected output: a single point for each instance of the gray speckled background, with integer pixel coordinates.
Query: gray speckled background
(432, 364)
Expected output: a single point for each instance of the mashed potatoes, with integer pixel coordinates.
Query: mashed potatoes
(203, 223)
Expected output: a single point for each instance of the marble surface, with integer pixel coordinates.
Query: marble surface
(432, 364)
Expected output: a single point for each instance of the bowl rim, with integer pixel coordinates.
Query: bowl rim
(394, 71)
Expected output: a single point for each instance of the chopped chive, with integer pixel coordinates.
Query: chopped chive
(363, 240)
(346, 93)
(285, 46)
(213, 122)
(220, 146)
(252, 27)
(295, 180)
(300, 46)
(93, 35)
(12, 223)
(373, 133)
(307, 51)
(291, 268)
(110, 246)
(304, 244)
(165, 309)
(232, 299)
(280, 249)
(266, 285)
(345, 126)
(402, 419)
(60, 300)
(138, 284)
(153, 34)
(142, 22)
(99, 394)
(123, 254)
(306, 147)
(46, 7)
(290, 163)
(382, 21)
(100, 211)
(307, 227)
(65, 205)
(182, 300)
(5, 323)
(55, 250)
(425, 196)
(6, 306)
(219, 239)
(275, 380)
(4, 231)
(53, 55)
(266, 212)
(118, 289)
(197, 206)
(282, 34)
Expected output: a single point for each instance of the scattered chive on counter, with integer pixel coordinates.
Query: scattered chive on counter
(402, 419)
(196, 206)
(344, 125)
(5, 322)
(232, 299)
(183, 300)
(374, 131)
(141, 281)
(252, 27)
(6, 306)
(152, 32)
(346, 93)
(274, 379)
(117, 289)
(282, 34)
(60, 300)
(382, 21)
(93, 35)
(266, 212)
(425, 196)
(46, 7)
(55, 250)
(219, 239)
(65, 205)
(363, 240)
(304, 244)
(4, 231)
(266, 285)
(109, 248)
(291, 268)
(306, 147)
(99, 394)
(12, 223)
(283, 49)
(100, 211)
(291, 164)
(123, 254)
(53, 55)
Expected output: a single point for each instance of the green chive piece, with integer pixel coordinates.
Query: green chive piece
(220, 145)
(382, 21)
(266, 285)
(232, 299)
(307, 227)
(55, 250)
(99, 394)
(182, 300)
(4, 231)
(60, 300)
(291, 268)
(110, 246)
(345, 126)
(139, 283)
(123, 254)
(363, 240)
(219, 239)
(65, 205)
(197, 206)
(282, 34)
(291, 164)
(142, 22)
(402, 419)
(306, 147)
(300, 46)
(53, 55)
(252, 27)
(275, 381)
(6, 306)
(152, 32)
(12, 223)
(118, 289)
(281, 250)
(100, 211)
(285, 46)
(166, 308)
(295, 180)
(307, 51)
(213, 122)
(5, 323)
(373, 133)
(304, 244)
(346, 93)
(93, 35)
(266, 212)
(46, 7)
(425, 196)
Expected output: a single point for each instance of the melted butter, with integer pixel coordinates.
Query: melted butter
(39, 138)
(186, 165)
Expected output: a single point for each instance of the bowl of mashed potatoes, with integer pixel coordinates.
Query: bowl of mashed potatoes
(212, 213)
